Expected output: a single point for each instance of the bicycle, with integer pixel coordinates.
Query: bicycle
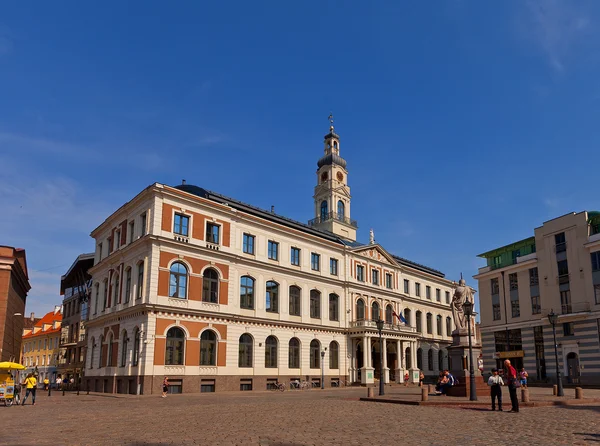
(278, 386)
(305, 385)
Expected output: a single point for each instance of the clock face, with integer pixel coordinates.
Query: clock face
(324, 176)
(340, 176)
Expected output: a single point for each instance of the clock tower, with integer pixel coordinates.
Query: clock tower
(332, 193)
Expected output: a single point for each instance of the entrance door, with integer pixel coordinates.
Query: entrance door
(573, 368)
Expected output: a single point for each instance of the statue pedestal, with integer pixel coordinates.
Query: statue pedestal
(400, 376)
(458, 355)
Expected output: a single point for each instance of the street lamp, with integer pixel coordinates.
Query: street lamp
(323, 368)
(468, 308)
(553, 317)
(15, 335)
(381, 383)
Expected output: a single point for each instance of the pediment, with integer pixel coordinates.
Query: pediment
(375, 252)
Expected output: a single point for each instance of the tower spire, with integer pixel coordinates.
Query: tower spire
(330, 122)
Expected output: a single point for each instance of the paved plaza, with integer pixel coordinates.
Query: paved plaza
(291, 418)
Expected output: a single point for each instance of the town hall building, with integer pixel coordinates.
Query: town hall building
(220, 295)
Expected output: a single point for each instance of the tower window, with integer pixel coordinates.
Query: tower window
(341, 210)
(324, 210)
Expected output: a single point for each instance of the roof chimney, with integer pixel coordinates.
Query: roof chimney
(57, 309)
(183, 182)
(272, 209)
(32, 317)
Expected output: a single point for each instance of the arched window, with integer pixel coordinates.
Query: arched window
(124, 341)
(360, 310)
(334, 355)
(389, 315)
(116, 286)
(315, 304)
(127, 285)
(335, 144)
(438, 321)
(334, 307)
(375, 311)
(208, 348)
(271, 352)
(102, 349)
(105, 289)
(295, 300)
(245, 352)
(92, 351)
(429, 323)
(175, 346)
(324, 210)
(341, 210)
(247, 292)
(210, 286)
(109, 350)
(136, 347)
(419, 317)
(294, 354)
(272, 304)
(407, 316)
(448, 326)
(440, 360)
(140, 281)
(407, 358)
(430, 359)
(315, 354)
(178, 281)
(420, 358)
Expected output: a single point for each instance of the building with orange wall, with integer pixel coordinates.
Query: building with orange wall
(14, 286)
(41, 346)
(220, 295)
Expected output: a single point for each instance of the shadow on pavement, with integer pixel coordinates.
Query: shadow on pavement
(592, 408)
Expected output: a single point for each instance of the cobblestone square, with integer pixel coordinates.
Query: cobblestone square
(291, 418)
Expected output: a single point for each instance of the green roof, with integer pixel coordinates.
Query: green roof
(494, 252)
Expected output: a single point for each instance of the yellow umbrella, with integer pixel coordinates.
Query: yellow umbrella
(6, 365)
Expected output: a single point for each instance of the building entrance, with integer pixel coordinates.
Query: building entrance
(573, 368)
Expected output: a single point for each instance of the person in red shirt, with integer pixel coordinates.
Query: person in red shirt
(512, 380)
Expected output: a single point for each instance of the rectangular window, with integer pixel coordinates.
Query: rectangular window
(418, 289)
(565, 301)
(563, 268)
(245, 384)
(315, 261)
(117, 239)
(534, 279)
(447, 297)
(516, 310)
(295, 256)
(495, 286)
(536, 308)
(131, 231)
(127, 285)
(514, 281)
(360, 273)
(375, 277)
(99, 251)
(181, 225)
(569, 329)
(248, 244)
(496, 312)
(143, 224)
(388, 281)
(428, 292)
(207, 386)
(333, 267)
(212, 233)
(140, 281)
(561, 243)
(595, 261)
(438, 295)
(406, 286)
(109, 242)
(273, 249)
(597, 293)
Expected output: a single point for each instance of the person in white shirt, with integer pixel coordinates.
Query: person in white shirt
(496, 383)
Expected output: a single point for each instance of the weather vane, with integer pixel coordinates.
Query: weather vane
(330, 118)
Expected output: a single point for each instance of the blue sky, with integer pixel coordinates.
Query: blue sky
(465, 124)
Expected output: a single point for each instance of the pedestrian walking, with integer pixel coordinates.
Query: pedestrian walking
(31, 385)
(165, 387)
(495, 382)
(46, 383)
(58, 382)
(406, 379)
(421, 378)
(513, 383)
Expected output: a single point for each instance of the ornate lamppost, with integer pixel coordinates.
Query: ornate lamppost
(323, 368)
(381, 383)
(468, 308)
(553, 317)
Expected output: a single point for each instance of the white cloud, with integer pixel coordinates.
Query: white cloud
(556, 27)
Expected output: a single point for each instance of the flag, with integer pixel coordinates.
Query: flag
(400, 317)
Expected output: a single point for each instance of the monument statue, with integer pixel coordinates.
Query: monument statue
(462, 293)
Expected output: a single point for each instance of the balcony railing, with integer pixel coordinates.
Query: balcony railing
(332, 216)
(579, 307)
(386, 327)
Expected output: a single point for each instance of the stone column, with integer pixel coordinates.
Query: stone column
(414, 371)
(386, 370)
(367, 370)
(400, 365)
